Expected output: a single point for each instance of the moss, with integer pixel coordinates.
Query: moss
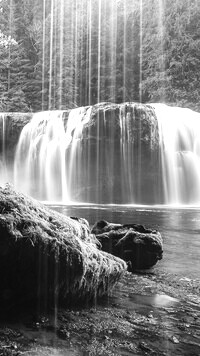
(48, 256)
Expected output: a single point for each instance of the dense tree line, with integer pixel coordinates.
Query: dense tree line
(171, 52)
(56, 54)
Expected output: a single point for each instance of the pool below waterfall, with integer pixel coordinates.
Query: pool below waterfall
(154, 312)
(180, 229)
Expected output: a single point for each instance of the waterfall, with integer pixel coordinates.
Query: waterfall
(77, 119)
(127, 153)
(3, 165)
(179, 131)
(41, 168)
(111, 153)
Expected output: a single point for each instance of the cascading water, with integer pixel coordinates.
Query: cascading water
(179, 131)
(90, 157)
(109, 153)
(127, 154)
(41, 168)
(3, 165)
(75, 123)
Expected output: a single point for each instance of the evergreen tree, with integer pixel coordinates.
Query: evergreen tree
(28, 32)
(12, 97)
(171, 52)
(66, 53)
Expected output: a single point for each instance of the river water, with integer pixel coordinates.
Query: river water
(179, 227)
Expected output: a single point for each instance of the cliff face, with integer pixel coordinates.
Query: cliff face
(135, 123)
(114, 157)
(117, 155)
(12, 125)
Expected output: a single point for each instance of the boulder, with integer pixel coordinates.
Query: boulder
(48, 257)
(141, 248)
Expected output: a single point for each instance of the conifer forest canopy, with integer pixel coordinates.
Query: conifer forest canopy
(57, 54)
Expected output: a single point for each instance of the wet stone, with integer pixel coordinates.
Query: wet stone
(140, 247)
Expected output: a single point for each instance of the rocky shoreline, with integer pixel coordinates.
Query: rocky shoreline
(154, 314)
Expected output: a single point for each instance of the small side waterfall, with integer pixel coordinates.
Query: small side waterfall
(3, 164)
(179, 131)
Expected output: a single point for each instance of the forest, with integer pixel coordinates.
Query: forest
(58, 54)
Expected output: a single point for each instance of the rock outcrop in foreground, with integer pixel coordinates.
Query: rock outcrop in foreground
(48, 257)
(140, 247)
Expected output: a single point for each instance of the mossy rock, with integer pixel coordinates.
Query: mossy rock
(48, 257)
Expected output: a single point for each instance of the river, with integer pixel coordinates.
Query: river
(179, 227)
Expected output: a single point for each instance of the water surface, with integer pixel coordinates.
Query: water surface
(180, 229)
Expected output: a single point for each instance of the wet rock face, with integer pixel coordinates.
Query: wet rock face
(141, 248)
(118, 155)
(128, 121)
(48, 257)
(13, 125)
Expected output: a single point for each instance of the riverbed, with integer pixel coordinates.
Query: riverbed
(154, 312)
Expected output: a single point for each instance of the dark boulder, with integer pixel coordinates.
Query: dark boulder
(48, 257)
(141, 248)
